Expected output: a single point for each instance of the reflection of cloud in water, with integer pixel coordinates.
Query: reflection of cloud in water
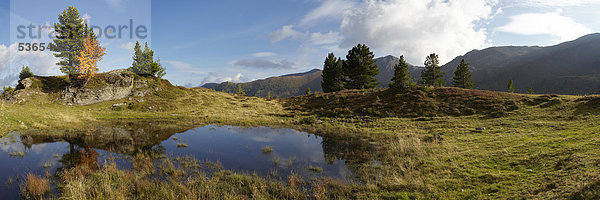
(10, 147)
(39, 148)
(262, 139)
(11, 142)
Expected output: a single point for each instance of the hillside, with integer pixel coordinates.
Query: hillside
(280, 86)
(399, 145)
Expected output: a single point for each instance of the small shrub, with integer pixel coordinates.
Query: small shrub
(7, 90)
(25, 73)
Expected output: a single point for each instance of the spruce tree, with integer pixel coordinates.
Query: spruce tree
(25, 73)
(401, 79)
(308, 91)
(462, 76)
(332, 74)
(530, 91)
(144, 64)
(360, 68)
(511, 87)
(70, 32)
(432, 75)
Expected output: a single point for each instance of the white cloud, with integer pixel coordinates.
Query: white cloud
(330, 9)
(11, 61)
(217, 78)
(545, 24)
(416, 28)
(264, 54)
(181, 67)
(285, 32)
(331, 37)
(558, 3)
(87, 19)
(127, 46)
(118, 4)
(316, 38)
(264, 64)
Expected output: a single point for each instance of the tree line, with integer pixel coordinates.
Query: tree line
(358, 71)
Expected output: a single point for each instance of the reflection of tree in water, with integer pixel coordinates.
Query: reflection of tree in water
(125, 140)
(353, 151)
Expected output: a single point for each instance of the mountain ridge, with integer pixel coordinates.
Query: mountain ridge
(571, 67)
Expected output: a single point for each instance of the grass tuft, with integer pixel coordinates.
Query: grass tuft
(35, 186)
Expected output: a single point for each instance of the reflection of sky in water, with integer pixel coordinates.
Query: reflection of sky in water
(240, 149)
(236, 148)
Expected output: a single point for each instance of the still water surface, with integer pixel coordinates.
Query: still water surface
(236, 148)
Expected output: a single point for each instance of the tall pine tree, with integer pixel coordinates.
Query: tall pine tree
(360, 68)
(332, 74)
(401, 79)
(462, 76)
(70, 32)
(432, 75)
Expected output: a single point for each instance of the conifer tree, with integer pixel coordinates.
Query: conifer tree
(144, 64)
(25, 73)
(240, 91)
(530, 91)
(308, 92)
(511, 87)
(332, 74)
(70, 32)
(432, 75)
(462, 76)
(401, 79)
(360, 68)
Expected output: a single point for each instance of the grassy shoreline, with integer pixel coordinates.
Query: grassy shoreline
(537, 151)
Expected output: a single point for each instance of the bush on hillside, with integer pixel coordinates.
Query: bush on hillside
(25, 73)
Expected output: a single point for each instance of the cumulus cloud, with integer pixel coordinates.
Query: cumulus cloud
(545, 24)
(217, 78)
(11, 61)
(264, 64)
(330, 9)
(416, 28)
(264, 54)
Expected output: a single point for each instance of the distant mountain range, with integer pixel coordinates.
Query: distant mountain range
(568, 68)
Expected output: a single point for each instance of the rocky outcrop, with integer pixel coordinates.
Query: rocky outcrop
(118, 84)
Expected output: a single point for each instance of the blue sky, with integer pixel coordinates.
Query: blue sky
(214, 41)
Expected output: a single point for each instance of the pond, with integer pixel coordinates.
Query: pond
(260, 150)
